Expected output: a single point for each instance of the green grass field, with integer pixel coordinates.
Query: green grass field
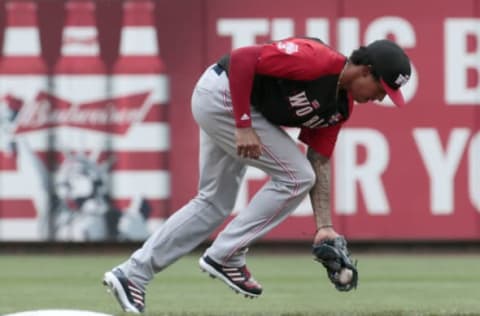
(294, 285)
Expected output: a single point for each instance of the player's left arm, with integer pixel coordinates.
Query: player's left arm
(321, 143)
(320, 196)
(329, 248)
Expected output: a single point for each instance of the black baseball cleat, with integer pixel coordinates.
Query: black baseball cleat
(239, 279)
(128, 295)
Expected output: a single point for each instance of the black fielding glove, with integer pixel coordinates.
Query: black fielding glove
(334, 255)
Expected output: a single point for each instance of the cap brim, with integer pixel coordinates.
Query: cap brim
(394, 94)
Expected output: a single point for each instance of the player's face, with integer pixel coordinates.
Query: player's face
(367, 88)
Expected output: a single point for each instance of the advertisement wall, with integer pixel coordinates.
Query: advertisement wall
(97, 141)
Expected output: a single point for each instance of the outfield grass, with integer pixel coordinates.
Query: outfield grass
(293, 286)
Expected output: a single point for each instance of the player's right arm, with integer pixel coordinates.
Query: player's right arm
(242, 67)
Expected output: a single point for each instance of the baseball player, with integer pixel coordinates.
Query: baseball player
(241, 104)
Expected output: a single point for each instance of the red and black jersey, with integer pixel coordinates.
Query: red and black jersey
(292, 82)
(299, 103)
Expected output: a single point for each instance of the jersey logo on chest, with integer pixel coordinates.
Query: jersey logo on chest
(303, 108)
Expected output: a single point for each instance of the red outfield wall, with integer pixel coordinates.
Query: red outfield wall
(411, 173)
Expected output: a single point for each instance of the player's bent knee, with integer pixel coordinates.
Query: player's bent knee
(215, 208)
(308, 178)
(301, 182)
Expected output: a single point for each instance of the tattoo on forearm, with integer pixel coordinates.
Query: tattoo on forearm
(320, 193)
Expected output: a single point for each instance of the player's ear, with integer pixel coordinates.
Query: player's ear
(366, 70)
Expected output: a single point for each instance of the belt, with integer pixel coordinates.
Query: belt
(218, 69)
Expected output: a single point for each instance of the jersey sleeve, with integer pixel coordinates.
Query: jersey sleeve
(243, 62)
(322, 140)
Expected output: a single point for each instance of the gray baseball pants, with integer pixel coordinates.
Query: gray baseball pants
(221, 171)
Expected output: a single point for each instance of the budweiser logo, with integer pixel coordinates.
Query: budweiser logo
(114, 115)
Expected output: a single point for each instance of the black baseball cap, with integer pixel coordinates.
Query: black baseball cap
(392, 65)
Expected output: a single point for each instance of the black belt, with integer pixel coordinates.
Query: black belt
(218, 69)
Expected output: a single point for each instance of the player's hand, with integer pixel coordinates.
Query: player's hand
(324, 234)
(248, 143)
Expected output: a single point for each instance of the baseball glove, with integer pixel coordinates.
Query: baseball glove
(334, 256)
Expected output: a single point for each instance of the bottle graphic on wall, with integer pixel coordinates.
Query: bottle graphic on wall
(79, 74)
(79, 113)
(24, 180)
(139, 70)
